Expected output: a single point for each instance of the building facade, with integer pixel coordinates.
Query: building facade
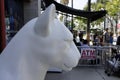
(30, 10)
(13, 15)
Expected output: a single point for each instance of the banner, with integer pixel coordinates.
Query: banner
(118, 25)
(88, 53)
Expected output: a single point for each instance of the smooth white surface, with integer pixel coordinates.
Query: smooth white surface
(42, 43)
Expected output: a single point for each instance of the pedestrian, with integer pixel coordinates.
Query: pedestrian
(106, 37)
(96, 39)
(111, 38)
(101, 40)
(77, 39)
(74, 36)
(85, 44)
(118, 39)
(81, 38)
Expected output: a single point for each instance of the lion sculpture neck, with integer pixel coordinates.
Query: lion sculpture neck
(21, 67)
(18, 63)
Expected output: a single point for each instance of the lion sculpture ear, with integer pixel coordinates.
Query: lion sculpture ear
(42, 25)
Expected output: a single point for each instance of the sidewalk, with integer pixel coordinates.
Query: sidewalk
(82, 73)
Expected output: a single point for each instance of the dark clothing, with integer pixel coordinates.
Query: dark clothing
(118, 40)
(117, 57)
(75, 41)
(111, 39)
(107, 37)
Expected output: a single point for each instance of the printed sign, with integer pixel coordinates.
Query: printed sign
(88, 54)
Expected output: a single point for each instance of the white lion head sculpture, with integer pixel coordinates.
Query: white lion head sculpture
(43, 40)
(58, 46)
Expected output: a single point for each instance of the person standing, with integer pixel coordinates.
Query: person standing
(118, 39)
(81, 38)
(111, 38)
(107, 37)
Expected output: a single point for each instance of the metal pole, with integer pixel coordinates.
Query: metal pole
(105, 15)
(104, 22)
(2, 26)
(39, 7)
(88, 21)
(72, 16)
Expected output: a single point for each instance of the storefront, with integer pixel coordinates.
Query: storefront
(14, 14)
(12, 19)
(2, 26)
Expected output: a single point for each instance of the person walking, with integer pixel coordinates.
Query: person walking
(81, 38)
(111, 38)
(106, 37)
(118, 39)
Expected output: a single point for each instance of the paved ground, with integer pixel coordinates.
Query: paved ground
(82, 73)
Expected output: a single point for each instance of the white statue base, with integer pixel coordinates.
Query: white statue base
(56, 70)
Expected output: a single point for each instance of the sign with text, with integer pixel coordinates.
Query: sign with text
(88, 53)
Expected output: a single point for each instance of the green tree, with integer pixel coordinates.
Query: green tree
(80, 23)
(112, 7)
(64, 2)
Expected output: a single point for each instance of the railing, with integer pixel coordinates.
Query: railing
(96, 55)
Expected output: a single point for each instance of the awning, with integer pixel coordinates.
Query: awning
(93, 15)
(27, 0)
